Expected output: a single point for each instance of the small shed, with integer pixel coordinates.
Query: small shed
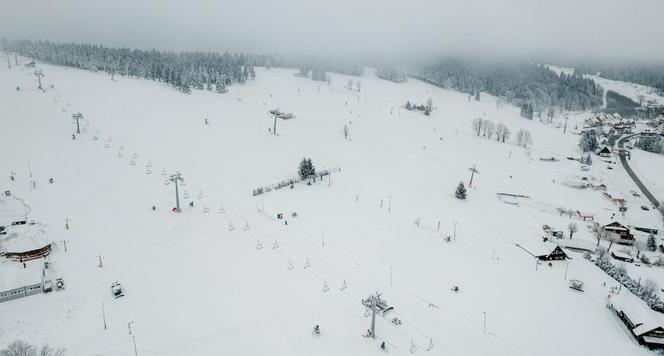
(620, 256)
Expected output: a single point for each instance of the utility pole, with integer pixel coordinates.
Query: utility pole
(100, 265)
(484, 323)
(274, 129)
(65, 243)
(133, 337)
(39, 74)
(473, 170)
(76, 117)
(175, 178)
(565, 129)
(103, 315)
(454, 230)
(389, 204)
(129, 326)
(375, 303)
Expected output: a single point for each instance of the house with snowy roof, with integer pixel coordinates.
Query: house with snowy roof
(543, 250)
(604, 151)
(645, 324)
(614, 230)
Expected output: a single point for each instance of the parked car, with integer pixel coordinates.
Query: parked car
(643, 207)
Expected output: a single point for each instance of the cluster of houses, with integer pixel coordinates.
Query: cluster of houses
(656, 126)
(611, 122)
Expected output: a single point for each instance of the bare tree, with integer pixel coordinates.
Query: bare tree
(349, 85)
(487, 129)
(358, 85)
(572, 229)
(22, 348)
(477, 125)
(502, 133)
(649, 288)
(523, 138)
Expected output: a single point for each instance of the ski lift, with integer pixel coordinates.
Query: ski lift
(576, 284)
(307, 264)
(259, 245)
(325, 287)
(343, 286)
(116, 290)
(275, 244)
(290, 264)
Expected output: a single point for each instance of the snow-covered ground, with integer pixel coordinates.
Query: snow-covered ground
(650, 166)
(200, 283)
(634, 91)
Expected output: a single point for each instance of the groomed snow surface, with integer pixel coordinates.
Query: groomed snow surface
(196, 286)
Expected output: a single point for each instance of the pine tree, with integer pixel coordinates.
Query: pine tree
(460, 192)
(651, 243)
(303, 170)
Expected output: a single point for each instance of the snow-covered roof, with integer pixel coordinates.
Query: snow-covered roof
(638, 312)
(614, 194)
(622, 255)
(22, 238)
(14, 275)
(538, 248)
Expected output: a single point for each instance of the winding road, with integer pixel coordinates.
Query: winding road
(631, 173)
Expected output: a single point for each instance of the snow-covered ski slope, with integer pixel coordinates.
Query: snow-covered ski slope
(633, 91)
(200, 283)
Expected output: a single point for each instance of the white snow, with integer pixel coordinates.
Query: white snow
(195, 286)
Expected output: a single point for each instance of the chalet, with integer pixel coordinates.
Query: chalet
(615, 197)
(598, 186)
(614, 231)
(544, 250)
(585, 216)
(645, 325)
(620, 256)
(604, 151)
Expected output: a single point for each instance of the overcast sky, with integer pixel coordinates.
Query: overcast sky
(598, 29)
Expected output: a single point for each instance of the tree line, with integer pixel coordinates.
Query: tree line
(519, 83)
(182, 70)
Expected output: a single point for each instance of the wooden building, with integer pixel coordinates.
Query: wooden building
(543, 250)
(645, 324)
